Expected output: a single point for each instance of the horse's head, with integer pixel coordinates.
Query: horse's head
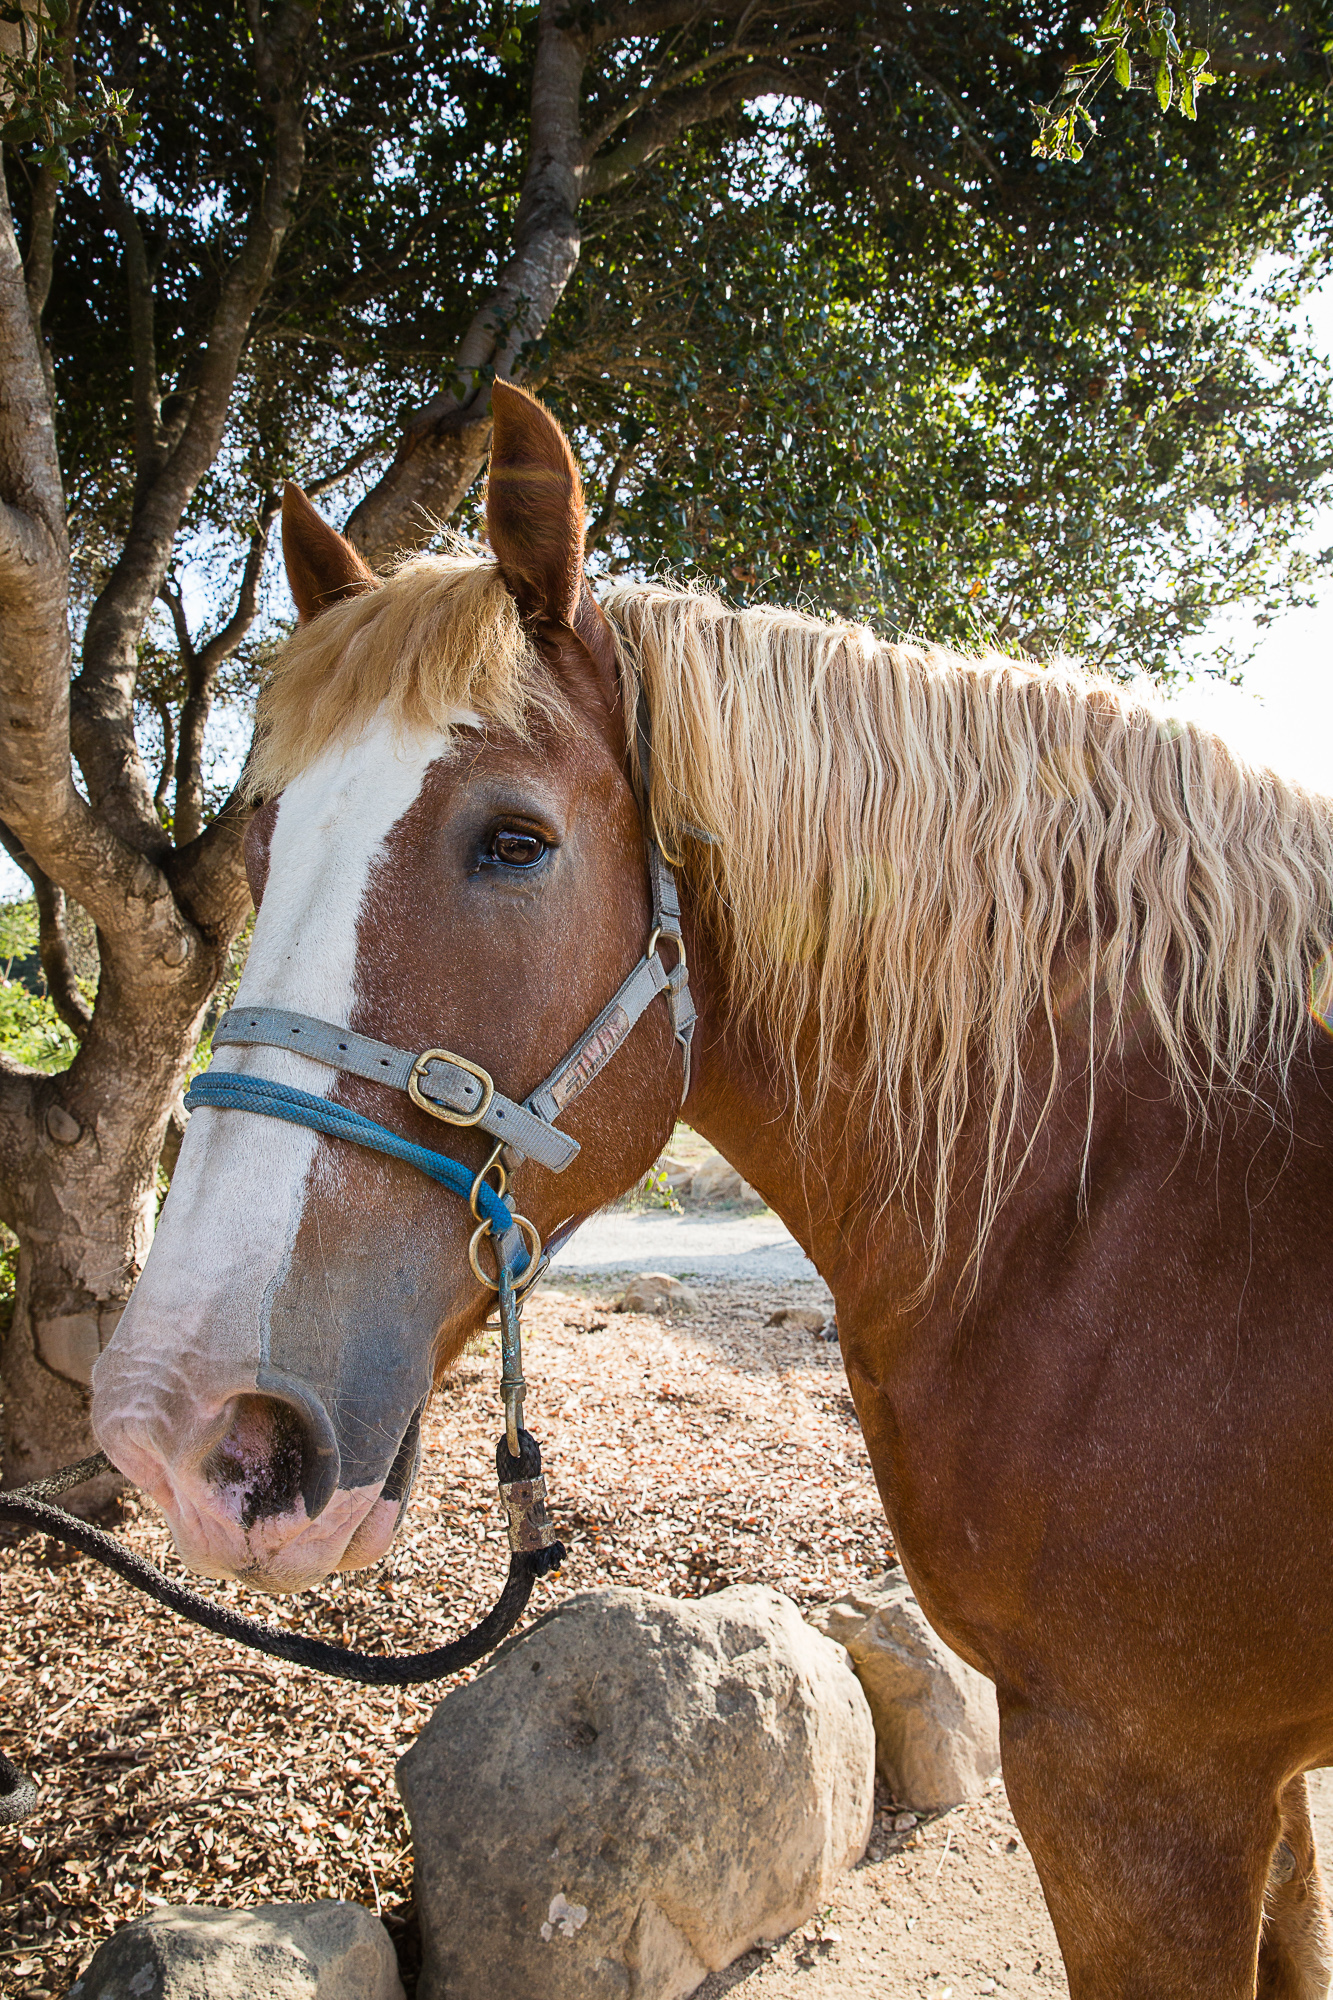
(454, 858)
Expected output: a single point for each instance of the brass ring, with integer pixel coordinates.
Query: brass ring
(535, 1249)
(677, 940)
(503, 1182)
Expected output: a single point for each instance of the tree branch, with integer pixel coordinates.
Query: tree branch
(103, 702)
(644, 22)
(168, 770)
(606, 519)
(39, 259)
(652, 135)
(670, 77)
(52, 939)
(37, 794)
(208, 877)
(443, 446)
(354, 464)
(150, 446)
(202, 668)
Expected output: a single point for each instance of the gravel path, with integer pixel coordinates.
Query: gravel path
(703, 1244)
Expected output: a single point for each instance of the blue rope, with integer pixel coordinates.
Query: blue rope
(225, 1090)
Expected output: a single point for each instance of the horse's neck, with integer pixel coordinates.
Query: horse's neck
(825, 1175)
(819, 1174)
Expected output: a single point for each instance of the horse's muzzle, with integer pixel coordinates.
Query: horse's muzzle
(257, 1492)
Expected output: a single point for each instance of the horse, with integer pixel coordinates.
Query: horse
(1003, 995)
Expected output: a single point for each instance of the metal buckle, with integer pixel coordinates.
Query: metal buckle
(440, 1110)
(498, 1164)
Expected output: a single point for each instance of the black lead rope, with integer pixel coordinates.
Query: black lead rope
(534, 1553)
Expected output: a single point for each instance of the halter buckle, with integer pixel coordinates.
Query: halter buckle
(483, 1077)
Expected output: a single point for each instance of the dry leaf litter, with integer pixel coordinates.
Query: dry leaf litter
(174, 1768)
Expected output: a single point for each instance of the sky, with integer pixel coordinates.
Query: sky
(1283, 715)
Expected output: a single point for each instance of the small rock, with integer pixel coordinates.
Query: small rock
(715, 1179)
(904, 1822)
(284, 1951)
(704, 1768)
(937, 1728)
(655, 1292)
(808, 1319)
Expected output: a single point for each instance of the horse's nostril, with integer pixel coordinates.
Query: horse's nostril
(263, 1457)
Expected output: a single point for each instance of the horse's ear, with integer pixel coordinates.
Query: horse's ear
(321, 566)
(535, 522)
(534, 508)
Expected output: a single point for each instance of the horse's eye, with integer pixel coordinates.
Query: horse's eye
(516, 850)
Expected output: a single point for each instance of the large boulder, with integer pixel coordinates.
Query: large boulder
(937, 1727)
(633, 1794)
(284, 1951)
(715, 1179)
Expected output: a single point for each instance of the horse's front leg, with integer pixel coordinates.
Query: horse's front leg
(1154, 1856)
(1296, 1955)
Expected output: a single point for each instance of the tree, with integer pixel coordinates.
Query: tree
(331, 214)
(1101, 472)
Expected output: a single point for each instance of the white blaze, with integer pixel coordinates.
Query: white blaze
(195, 1331)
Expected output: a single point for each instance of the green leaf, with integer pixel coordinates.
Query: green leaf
(1164, 85)
(1122, 67)
(1187, 96)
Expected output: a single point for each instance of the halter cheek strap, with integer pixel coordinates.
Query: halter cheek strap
(460, 1092)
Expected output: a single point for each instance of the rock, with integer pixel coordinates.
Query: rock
(678, 1174)
(284, 1951)
(937, 1728)
(654, 1292)
(804, 1319)
(715, 1179)
(633, 1794)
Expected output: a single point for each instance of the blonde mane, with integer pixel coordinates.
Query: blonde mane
(902, 845)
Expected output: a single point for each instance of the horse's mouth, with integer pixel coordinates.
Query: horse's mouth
(279, 1553)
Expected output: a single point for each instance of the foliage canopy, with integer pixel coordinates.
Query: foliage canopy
(876, 352)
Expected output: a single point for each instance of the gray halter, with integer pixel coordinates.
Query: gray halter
(460, 1092)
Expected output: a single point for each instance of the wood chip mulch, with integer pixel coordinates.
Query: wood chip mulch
(682, 1456)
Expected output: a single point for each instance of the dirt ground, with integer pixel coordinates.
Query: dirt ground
(682, 1457)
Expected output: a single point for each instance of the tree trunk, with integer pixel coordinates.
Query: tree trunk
(81, 1152)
